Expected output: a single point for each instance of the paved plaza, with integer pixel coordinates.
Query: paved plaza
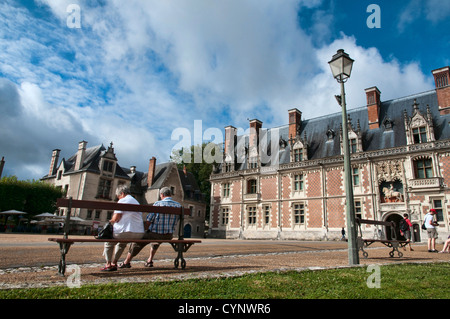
(31, 260)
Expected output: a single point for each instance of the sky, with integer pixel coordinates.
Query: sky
(152, 76)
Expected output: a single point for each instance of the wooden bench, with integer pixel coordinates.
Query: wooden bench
(391, 243)
(179, 245)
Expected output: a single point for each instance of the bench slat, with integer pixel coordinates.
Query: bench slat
(93, 240)
(64, 202)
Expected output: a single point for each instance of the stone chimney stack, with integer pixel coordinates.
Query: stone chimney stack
(80, 155)
(54, 162)
(229, 145)
(255, 127)
(441, 80)
(151, 171)
(295, 122)
(373, 107)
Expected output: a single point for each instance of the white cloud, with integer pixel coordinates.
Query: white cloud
(137, 70)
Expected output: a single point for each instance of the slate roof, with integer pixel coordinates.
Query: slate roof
(90, 163)
(319, 146)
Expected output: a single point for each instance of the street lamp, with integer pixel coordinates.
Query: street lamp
(341, 67)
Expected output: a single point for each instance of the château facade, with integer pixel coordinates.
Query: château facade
(288, 182)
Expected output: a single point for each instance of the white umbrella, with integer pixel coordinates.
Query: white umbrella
(13, 212)
(47, 215)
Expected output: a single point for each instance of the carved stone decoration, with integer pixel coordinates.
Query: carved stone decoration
(389, 171)
(390, 177)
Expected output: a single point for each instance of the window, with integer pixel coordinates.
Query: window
(419, 135)
(89, 214)
(299, 213)
(104, 188)
(423, 168)
(108, 166)
(253, 162)
(109, 215)
(298, 182)
(251, 215)
(355, 176)
(266, 215)
(353, 145)
(226, 189)
(225, 215)
(298, 155)
(97, 214)
(251, 186)
(358, 209)
(437, 205)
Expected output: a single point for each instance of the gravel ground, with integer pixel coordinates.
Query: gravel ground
(31, 260)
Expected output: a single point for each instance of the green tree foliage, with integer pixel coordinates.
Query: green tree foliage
(33, 197)
(201, 170)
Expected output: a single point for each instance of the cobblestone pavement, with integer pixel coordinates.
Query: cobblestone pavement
(31, 260)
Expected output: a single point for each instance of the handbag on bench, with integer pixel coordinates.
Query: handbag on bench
(106, 232)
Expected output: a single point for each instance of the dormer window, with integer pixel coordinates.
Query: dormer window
(354, 137)
(419, 134)
(419, 127)
(299, 149)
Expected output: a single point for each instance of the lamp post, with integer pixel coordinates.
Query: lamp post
(341, 67)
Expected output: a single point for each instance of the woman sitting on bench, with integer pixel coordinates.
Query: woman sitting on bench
(126, 225)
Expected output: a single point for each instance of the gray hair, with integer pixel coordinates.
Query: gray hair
(165, 191)
(122, 189)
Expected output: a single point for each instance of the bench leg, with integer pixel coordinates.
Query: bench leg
(180, 248)
(360, 242)
(63, 249)
(395, 249)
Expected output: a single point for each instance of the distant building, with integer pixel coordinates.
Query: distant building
(288, 182)
(94, 174)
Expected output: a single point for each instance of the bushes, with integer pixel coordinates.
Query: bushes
(33, 197)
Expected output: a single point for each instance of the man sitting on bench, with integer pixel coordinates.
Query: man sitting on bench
(161, 226)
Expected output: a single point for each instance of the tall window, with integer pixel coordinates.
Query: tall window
(419, 135)
(226, 189)
(225, 215)
(358, 209)
(251, 186)
(298, 182)
(423, 168)
(353, 145)
(251, 215)
(299, 213)
(266, 215)
(355, 176)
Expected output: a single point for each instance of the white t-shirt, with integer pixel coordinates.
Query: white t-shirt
(130, 221)
(427, 220)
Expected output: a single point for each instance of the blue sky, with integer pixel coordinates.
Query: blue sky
(139, 72)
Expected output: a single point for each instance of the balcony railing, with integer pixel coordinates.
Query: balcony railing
(426, 183)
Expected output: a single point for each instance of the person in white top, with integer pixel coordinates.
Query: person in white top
(126, 224)
(430, 225)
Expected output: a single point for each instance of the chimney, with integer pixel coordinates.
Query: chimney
(373, 107)
(54, 162)
(230, 136)
(151, 171)
(255, 126)
(441, 80)
(80, 155)
(295, 122)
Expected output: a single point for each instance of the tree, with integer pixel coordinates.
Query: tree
(200, 169)
(33, 197)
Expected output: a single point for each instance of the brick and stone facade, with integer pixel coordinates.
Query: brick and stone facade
(400, 164)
